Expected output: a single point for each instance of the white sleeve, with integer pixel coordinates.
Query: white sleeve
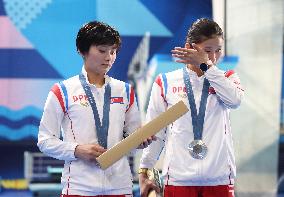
(132, 116)
(49, 141)
(228, 89)
(156, 106)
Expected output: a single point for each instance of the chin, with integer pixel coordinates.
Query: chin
(107, 69)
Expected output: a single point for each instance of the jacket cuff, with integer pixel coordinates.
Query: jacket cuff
(72, 148)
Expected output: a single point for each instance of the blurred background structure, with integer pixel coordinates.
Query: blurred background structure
(37, 49)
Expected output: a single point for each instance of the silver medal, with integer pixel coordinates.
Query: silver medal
(198, 149)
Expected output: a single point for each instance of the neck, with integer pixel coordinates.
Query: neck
(195, 69)
(96, 79)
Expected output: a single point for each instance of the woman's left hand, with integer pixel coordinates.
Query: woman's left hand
(147, 142)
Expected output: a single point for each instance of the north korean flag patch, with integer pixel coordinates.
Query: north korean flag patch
(211, 90)
(116, 100)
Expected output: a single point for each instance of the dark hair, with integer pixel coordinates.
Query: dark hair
(203, 29)
(96, 33)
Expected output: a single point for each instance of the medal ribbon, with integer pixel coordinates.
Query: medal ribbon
(197, 119)
(101, 128)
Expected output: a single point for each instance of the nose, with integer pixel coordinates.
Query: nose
(108, 56)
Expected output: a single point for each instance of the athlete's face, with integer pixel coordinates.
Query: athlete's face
(213, 47)
(99, 59)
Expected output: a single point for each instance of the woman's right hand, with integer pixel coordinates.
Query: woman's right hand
(146, 185)
(89, 152)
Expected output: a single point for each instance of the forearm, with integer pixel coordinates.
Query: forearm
(151, 153)
(56, 148)
(228, 90)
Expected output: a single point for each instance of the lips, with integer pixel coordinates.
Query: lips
(105, 65)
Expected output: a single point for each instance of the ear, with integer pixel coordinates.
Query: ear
(82, 55)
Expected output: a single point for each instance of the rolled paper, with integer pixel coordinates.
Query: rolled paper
(136, 138)
(152, 193)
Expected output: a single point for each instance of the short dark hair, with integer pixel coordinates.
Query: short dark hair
(96, 33)
(203, 29)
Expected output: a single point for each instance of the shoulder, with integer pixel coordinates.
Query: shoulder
(71, 81)
(118, 84)
(175, 72)
(229, 73)
(67, 82)
(62, 88)
(169, 76)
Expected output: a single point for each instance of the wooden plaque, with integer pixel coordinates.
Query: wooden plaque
(135, 139)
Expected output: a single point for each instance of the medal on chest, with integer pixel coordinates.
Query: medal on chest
(197, 148)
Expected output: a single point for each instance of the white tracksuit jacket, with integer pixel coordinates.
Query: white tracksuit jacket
(67, 108)
(179, 167)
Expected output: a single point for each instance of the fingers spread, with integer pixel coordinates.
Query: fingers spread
(197, 48)
(178, 56)
(178, 52)
(181, 61)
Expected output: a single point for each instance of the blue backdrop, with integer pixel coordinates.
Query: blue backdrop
(37, 49)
